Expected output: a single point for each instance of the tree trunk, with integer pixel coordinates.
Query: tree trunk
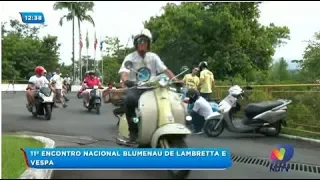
(73, 59)
(80, 49)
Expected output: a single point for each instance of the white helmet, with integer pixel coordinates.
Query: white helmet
(144, 32)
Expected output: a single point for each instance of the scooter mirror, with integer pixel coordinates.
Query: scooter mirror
(128, 64)
(184, 68)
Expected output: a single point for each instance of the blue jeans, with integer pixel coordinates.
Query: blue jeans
(197, 121)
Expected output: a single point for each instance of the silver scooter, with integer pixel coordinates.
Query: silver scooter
(264, 117)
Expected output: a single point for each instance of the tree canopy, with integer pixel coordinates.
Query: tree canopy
(226, 35)
(23, 50)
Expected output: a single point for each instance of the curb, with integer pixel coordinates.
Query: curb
(300, 138)
(31, 173)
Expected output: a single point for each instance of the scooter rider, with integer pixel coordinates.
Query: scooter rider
(36, 81)
(200, 111)
(90, 81)
(142, 57)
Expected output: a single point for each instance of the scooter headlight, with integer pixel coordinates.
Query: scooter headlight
(188, 118)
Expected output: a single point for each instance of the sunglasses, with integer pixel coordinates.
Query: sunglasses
(142, 40)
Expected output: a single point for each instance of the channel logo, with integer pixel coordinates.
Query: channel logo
(282, 153)
(279, 155)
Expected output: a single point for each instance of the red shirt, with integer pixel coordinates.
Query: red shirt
(92, 82)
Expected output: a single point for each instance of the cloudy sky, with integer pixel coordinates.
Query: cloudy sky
(122, 19)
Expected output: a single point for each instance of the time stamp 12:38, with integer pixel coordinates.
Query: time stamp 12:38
(32, 17)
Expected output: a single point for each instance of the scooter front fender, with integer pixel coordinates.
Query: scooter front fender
(167, 129)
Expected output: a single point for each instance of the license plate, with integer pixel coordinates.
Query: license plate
(98, 101)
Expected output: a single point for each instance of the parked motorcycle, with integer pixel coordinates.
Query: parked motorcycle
(43, 103)
(160, 116)
(264, 117)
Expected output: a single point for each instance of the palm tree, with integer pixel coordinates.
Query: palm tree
(69, 17)
(81, 14)
(79, 10)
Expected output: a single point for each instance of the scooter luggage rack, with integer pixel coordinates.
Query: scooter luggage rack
(286, 102)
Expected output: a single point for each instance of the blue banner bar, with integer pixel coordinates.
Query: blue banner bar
(128, 158)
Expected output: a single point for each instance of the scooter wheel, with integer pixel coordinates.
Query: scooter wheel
(47, 111)
(209, 125)
(98, 108)
(278, 127)
(174, 142)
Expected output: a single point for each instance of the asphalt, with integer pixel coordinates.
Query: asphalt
(75, 126)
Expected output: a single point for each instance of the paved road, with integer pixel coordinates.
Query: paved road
(76, 121)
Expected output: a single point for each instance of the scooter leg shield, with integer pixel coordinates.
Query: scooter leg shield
(171, 129)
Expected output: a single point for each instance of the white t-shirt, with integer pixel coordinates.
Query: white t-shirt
(39, 81)
(202, 107)
(67, 79)
(57, 78)
(151, 60)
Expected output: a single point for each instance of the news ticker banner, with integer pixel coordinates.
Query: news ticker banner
(128, 158)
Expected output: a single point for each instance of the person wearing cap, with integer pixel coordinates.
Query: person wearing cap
(36, 81)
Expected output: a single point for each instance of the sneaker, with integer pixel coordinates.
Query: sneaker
(198, 132)
(64, 105)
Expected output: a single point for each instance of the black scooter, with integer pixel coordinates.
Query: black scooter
(95, 100)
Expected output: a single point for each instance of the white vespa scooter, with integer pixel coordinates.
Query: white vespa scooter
(160, 116)
(43, 103)
(264, 117)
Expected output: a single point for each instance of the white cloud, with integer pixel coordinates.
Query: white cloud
(123, 19)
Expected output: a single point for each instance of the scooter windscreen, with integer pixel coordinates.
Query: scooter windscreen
(45, 91)
(143, 74)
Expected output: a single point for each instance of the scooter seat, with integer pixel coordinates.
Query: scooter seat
(254, 109)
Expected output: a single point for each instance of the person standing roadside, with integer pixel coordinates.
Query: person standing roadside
(57, 81)
(191, 81)
(206, 80)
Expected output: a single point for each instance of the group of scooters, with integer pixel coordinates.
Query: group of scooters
(44, 101)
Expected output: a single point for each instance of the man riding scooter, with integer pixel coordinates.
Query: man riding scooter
(89, 82)
(36, 81)
(142, 57)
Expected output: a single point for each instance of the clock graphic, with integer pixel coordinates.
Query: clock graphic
(32, 17)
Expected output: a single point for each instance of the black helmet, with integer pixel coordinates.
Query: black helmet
(203, 64)
(193, 95)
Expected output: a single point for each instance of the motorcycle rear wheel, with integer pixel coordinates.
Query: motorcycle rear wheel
(174, 142)
(277, 126)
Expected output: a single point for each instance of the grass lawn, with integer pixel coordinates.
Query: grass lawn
(13, 163)
(299, 133)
